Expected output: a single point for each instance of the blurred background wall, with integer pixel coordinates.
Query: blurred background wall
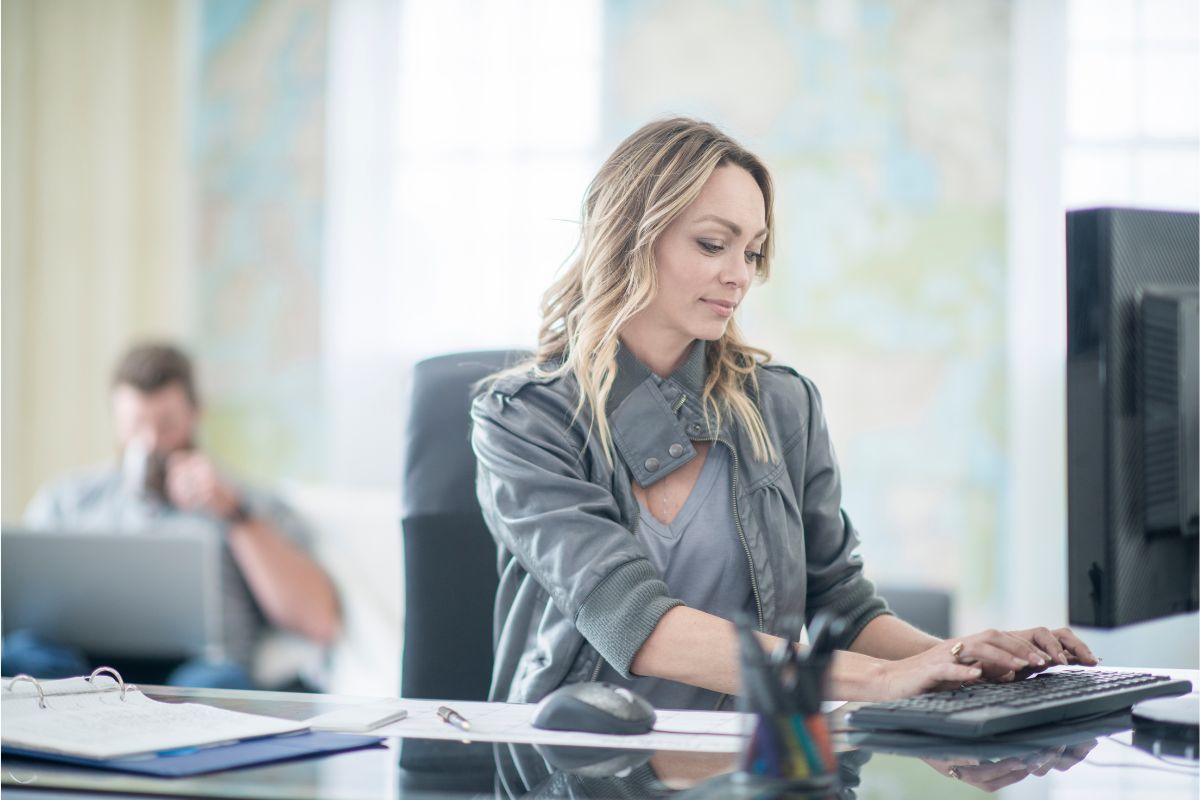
(313, 195)
(96, 244)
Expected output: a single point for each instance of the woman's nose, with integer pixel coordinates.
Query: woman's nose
(736, 272)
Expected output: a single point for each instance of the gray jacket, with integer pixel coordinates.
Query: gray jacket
(575, 584)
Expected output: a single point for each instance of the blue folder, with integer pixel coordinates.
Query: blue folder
(197, 761)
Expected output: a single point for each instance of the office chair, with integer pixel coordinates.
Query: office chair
(927, 609)
(449, 555)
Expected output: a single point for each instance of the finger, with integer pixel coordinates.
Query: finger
(1075, 754)
(1036, 640)
(990, 656)
(955, 673)
(1022, 645)
(1048, 643)
(1051, 644)
(1083, 748)
(990, 777)
(1002, 781)
(1046, 761)
(991, 770)
(1076, 646)
(181, 472)
(176, 487)
(1067, 761)
(1011, 643)
(180, 459)
(183, 489)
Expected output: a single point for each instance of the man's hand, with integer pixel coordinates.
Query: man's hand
(195, 484)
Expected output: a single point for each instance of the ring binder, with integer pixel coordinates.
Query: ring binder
(36, 685)
(84, 723)
(115, 674)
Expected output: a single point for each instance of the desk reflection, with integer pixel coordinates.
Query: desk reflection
(991, 776)
(533, 771)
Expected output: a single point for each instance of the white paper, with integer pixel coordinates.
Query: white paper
(696, 731)
(359, 718)
(92, 721)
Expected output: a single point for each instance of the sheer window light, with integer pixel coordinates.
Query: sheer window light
(1133, 111)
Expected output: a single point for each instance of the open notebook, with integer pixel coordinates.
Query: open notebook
(99, 718)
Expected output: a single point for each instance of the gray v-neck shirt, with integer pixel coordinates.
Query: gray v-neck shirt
(703, 564)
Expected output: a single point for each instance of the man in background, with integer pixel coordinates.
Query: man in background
(162, 480)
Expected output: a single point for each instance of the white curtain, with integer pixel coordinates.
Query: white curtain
(461, 137)
(94, 224)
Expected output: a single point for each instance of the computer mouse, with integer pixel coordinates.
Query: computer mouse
(594, 707)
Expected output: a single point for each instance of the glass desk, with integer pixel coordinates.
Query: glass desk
(1094, 760)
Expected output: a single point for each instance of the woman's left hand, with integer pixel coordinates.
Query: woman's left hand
(1062, 645)
(991, 776)
(1012, 655)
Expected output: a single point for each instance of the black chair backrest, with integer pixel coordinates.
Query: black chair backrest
(927, 608)
(449, 556)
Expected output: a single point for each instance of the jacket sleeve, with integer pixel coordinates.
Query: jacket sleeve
(563, 529)
(836, 582)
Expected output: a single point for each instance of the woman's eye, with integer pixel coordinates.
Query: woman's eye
(710, 247)
(754, 258)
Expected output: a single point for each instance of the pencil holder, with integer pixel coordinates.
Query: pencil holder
(794, 749)
(789, 744)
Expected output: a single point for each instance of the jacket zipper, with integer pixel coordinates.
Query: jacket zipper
(599, 666)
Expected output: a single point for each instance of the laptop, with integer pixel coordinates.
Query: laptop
(153, 595)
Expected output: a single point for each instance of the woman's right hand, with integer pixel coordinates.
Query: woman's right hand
(931, 671)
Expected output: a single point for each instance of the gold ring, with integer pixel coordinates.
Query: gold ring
(953, 773)
(956, 651)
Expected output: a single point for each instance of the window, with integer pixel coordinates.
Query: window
(1133, 110)
(462, 135)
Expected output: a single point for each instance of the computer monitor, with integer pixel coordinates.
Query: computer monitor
(1132, 410)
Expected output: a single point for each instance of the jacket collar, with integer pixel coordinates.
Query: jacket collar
(631, 373)
(652, 430)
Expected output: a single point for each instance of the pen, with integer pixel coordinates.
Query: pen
(452, 717)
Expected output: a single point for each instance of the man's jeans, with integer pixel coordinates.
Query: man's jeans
(26, 652)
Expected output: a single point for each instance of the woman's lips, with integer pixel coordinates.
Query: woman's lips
(723, 307)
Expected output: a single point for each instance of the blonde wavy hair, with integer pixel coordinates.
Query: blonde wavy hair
(644, 185)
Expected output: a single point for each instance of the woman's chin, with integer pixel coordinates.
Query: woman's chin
(710, 332)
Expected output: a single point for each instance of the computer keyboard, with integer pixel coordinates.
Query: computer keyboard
(989, 708)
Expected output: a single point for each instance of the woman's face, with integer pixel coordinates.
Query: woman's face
(705, 260)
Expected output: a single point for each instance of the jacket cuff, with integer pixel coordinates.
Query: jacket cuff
(623, 610)
(857, 607)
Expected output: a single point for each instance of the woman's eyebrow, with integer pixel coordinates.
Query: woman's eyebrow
(734, 228)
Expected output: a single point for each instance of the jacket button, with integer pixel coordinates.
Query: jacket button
(651, 464)
(695, 428)
(676, 450)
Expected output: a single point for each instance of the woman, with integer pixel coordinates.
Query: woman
(648, 476)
